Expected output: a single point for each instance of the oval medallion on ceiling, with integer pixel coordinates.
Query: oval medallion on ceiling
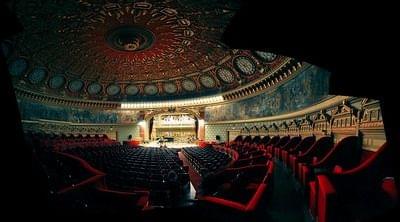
(131, 90)
(188, 85)
(151, 89)
(170, 87)
(113, 89)
(207, 81)
(75, 85)
(18, 67)
(244, 65)
(37, 75)
(56, 81)
(94, 88)
(225, 75)
(265, 56)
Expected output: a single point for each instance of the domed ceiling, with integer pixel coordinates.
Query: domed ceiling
(130, 50)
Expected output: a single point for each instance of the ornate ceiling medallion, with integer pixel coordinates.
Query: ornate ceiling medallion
(130, 38)
(245, 65)
(207, 81)
(188, 85)
(131, 90)
(226, 75)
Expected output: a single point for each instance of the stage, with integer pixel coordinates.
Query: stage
(171, 145)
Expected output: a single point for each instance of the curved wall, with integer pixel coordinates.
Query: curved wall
(338, 116)
(68, 120)
(310, 86)
(32, 111)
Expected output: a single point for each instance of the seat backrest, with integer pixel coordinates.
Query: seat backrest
(322, 145)
(376, 164)
(265, 140)
(282, 141)
(238, 138)
(294, 141)
(247, 139)
(346, 153)
(304, 144)
(256, 139)
(273, 140)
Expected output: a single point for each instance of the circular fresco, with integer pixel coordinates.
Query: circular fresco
(75, 85)
(94, 88)
(113, 89)
(18, 67)
(131, 90)
(132, 43)
(226, 75)
(151, 89)
(56, 81)
(188, 85)
(130, 38)
(207, 81)
(265, 56)
(170, 87)
(118, 38)
(244, 65)
(37, 75)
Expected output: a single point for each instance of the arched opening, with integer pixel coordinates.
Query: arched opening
(174, 127)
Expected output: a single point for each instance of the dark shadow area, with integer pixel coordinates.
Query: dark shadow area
(350, 41)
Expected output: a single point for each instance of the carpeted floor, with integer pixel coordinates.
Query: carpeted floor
(287, 202)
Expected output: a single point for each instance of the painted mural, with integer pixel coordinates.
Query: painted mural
(33, 111)
(307, 88)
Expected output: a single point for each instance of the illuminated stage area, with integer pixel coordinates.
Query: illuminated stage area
(171, 145)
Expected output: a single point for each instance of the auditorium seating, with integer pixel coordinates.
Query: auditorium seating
(264, 141)
(234, 176)
(207, 160)
(238, 139)
(247, 140)
(305, 144)
(279, 142)
(129, 169)
(256, 140)
(244, 190)
(346, 153)
(356, 193)
(293, 142)
(76, 185)
(123, 170)
(318, 149)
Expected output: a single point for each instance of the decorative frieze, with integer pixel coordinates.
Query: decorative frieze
(338, 119)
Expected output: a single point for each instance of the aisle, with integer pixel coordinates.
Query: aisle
(286, 203)
(195, 178)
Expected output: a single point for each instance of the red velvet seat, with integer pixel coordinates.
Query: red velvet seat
(100, 196)
(319, 148)
(272, 142)
(305, 144)
(251, 204)
(264, 141)
(292, 143)
(359, 193)
(282, 141)
(346, 153)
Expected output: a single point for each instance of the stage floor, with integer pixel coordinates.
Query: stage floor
(171, 145)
